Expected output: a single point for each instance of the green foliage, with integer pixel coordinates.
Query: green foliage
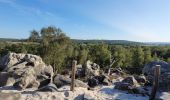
(100, 54)
(34, 36)
(138, 57)
(147, 55)
(119, 55)
(58, 50)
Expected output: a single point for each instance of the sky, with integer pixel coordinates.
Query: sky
(134, 20)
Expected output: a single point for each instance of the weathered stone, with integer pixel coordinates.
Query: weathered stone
(49, 88)
(131, 80)
(164, 78)
(124, 86)
(92, 69)
(61, 80)
(3, 78)
(26, 70)
(131, 88)
(96, 80)
(141, 79)
(92, 82)
(80, 71)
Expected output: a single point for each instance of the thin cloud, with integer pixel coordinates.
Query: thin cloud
(21, 8)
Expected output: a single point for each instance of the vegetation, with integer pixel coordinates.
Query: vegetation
(59, 50)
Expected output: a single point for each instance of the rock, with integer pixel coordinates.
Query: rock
(141, 79)
(164, 78)
(92, 69)
(49, 88)
(131, 88)
(131, 85)
(117, 71)
(80, 71)
(28, 80)
(61, 80)
(3, 78)
(96, 80)
(92, 82)
(131, 80)
(10, 96)
(26, 70)
(124, 86)
(88, 97)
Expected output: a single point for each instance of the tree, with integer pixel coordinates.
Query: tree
(118, 53)
(147, 55)
(100, 54)
(83, 53)
(34, 36)
(55, 47)
(138, 57)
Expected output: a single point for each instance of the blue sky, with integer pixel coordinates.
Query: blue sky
(136, 20)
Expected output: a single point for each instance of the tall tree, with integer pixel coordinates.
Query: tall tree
(34, 36)
(138, 57)
(147, 55)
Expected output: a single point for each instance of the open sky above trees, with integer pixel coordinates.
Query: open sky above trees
(136, 20)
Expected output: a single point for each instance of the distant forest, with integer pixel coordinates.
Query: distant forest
(58, 50)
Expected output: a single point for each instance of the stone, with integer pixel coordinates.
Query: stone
(131, 88)
(92, 69)
(99, 80)
(80, 71)
(26, 70)
(92, 82)
(123, 86)
(164, 78)
(131, 80)
(141, 79)
(3, 78)
(61, 80)
(49, 88)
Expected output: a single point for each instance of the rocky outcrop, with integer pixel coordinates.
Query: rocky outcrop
(164, 78)
(130, 80)
(131, 85)
(99, 80)
(61, 80)
(92, 69)
(25, 70)
(141, 79)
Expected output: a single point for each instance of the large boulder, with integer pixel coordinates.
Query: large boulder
(61, 80)
(26, 70)
(164, 78)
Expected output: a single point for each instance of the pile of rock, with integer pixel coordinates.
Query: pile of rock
(24, 71)
(131, 85)
(92, 69)
(164, 78)
(62, 80)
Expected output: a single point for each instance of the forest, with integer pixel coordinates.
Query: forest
(58, 50)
